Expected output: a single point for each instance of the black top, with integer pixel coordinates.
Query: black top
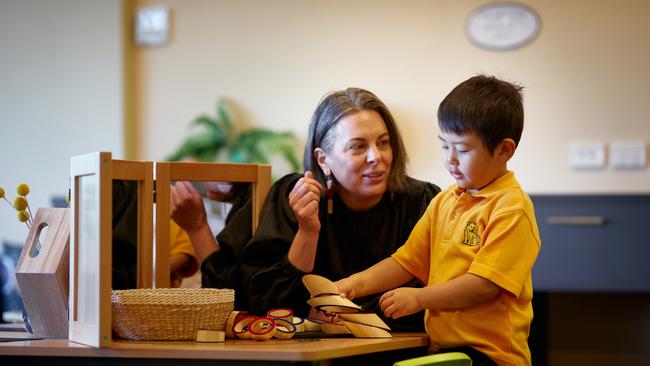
(349, 242)
(221, 269)
(125, 234)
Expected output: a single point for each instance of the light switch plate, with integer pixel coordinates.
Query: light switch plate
(587, 155)
(627, 154)
(152, 26)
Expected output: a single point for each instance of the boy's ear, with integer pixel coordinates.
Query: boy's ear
(321, 159)
(507, 148)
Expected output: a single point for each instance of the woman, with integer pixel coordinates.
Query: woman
(354, 143)
(353, 207)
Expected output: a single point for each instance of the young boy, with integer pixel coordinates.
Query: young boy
(476, 244)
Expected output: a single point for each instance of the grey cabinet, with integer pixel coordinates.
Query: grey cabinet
(593, 243)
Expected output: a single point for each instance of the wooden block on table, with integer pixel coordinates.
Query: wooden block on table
(210, 336)
(42, 273)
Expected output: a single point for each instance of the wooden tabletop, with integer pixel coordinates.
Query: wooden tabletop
(300, 349)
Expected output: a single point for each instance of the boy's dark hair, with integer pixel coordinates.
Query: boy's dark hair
(485, 105)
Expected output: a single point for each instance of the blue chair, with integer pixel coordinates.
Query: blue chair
(439, 359)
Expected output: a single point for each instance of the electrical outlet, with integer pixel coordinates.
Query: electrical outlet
(587, 155)
(627, 154)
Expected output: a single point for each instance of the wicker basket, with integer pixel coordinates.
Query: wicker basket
(170, 313)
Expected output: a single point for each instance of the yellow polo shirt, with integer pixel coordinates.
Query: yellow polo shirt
(492, 234)
(180, 243)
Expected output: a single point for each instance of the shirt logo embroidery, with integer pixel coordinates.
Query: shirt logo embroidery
(471, 237)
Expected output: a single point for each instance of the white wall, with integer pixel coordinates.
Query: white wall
(61, 79)
(586, 75)
(60, 94)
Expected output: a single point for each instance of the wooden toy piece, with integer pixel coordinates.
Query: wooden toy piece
(334, 304)
(318, 285)
(284, 329)
(325, 297)
(233, 319)
(370, 319)
(366, 331)
(312, 326)
(334, 328)
(262, 329)
(299, 323)
(241, 328)
(210, 336)
(42, 273)
(281, 313)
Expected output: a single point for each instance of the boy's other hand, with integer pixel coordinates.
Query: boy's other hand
(400, 302)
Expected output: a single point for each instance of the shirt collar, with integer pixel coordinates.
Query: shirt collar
(504, 182)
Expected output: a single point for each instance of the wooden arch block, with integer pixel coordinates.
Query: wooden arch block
(42, 273)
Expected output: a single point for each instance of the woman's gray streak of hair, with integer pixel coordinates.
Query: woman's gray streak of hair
(339, 104)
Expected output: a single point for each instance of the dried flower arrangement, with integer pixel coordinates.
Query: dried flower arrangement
(21, 204)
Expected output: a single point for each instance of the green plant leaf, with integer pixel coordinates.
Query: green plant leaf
(224, 121)
(290, 156)
(215, 138)
(237, 155)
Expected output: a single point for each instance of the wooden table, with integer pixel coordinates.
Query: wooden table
(314, 351)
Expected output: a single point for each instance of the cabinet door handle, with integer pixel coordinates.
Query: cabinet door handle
(576, 220)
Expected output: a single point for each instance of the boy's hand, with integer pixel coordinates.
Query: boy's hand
(346, 288)
(400, 302)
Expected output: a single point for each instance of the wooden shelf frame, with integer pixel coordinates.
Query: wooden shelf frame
(91, 206)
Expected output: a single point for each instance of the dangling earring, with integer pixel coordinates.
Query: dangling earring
(330, 193)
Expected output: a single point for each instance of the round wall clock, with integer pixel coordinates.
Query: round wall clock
(502, 26)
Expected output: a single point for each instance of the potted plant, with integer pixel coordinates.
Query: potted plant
(216, 138)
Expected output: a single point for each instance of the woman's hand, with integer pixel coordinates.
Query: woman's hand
(304, 199)
(188, 211)
(187, 208)
(400, 302)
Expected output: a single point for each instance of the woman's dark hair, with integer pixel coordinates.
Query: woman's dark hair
(339, 104)
(485, 105)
